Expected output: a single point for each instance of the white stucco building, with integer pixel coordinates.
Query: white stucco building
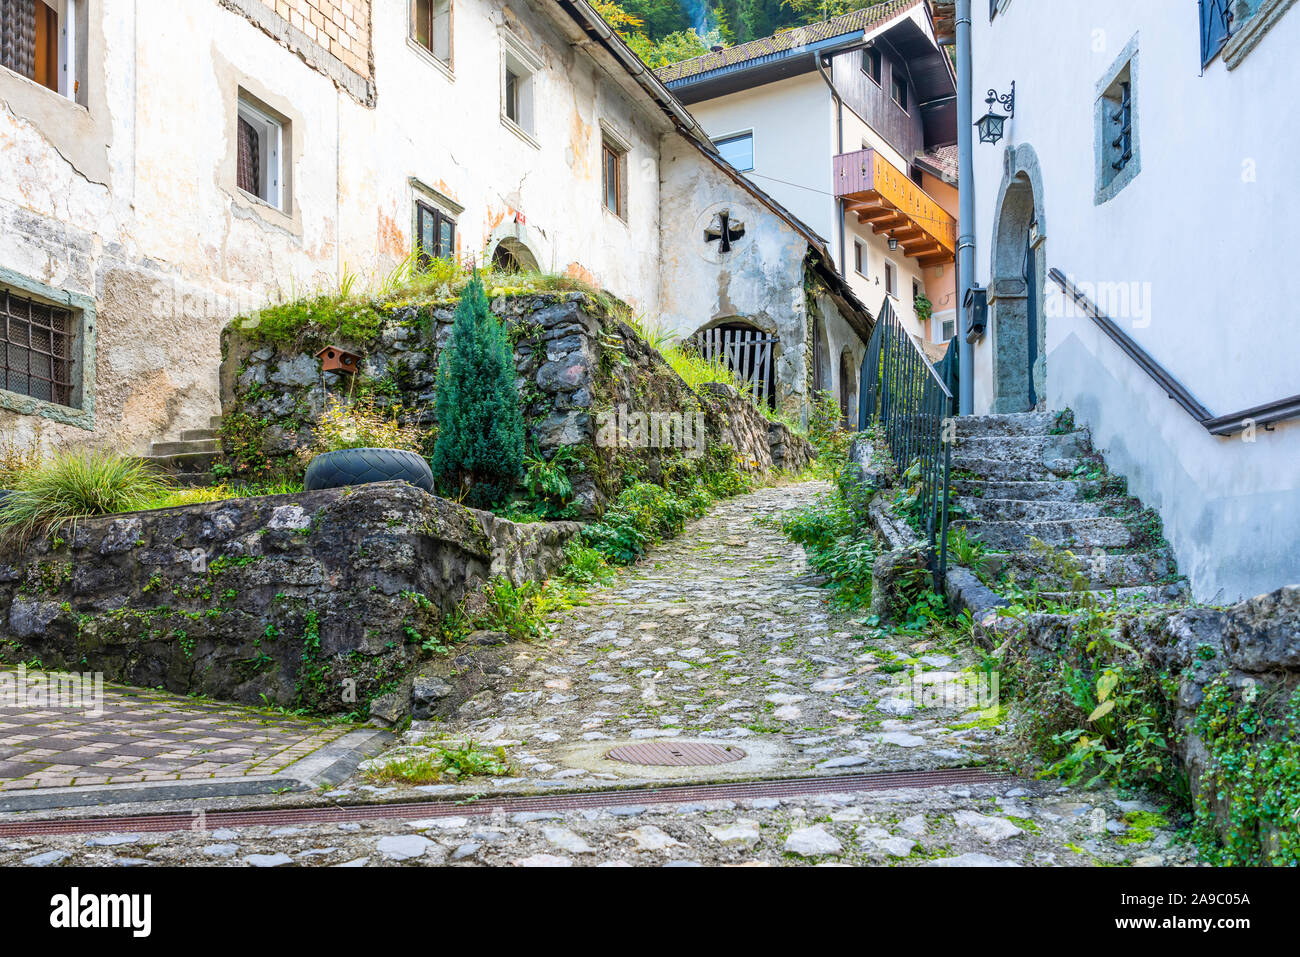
(1131, 230)
(168, 165)
(849, 124)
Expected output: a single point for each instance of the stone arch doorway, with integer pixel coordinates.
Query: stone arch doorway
(1016, 293)
(748, 351)
(511, 255)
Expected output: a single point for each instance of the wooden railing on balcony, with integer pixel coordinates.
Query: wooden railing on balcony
(885, 198)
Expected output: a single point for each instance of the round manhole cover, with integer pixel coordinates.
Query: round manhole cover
(674, 754)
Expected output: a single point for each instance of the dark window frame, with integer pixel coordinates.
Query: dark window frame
(898, 82)
(876, 72)
(428, 23)
(427, 213)
(747, 135)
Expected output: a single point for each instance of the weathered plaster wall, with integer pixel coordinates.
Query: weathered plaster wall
(1191, 275)
(761, 280)
(135, 204)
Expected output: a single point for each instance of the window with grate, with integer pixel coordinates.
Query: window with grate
(436, 233)
(36, 348)
(1122, 145)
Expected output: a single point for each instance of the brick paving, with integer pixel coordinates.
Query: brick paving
(138, 735)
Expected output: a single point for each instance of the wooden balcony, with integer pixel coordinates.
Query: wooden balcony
(885, 198)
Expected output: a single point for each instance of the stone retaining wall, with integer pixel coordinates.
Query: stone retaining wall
(577, 363)
(320, 599)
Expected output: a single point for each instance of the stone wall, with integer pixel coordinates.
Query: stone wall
(583, 374)
(320, 599)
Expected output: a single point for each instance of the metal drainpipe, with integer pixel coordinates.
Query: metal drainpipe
(966, 208)
(838, 215)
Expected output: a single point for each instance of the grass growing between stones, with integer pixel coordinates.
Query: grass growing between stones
(439, 764)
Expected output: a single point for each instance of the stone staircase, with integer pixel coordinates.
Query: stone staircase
(1033, 476)
(190, 459)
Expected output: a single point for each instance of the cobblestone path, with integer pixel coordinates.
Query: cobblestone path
(722, 637)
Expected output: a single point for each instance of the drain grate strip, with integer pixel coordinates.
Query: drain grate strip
(677, 794)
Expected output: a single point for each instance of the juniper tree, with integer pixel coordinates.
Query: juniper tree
(479, 450)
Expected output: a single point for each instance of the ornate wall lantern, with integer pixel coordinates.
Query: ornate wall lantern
(991, 124)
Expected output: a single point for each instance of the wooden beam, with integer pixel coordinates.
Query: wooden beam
(885, 224)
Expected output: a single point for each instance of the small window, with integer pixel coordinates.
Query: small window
(916, 290)
(518, 80)
(891, 279)
(39, 39)
(614, 178)
(898, 87)
(872, 64)
(859, 258)
(1118, 158)
(738, 151)
(436, 233)
(37, 346)
(945, 329)
(260, 162)
(431, 27)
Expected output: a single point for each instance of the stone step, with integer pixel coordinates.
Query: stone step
(1018, 423)
(1116, 597)
(1080, 533)
(198, 435)
(1102, 571)
(194, 479)
(184, 462)
(1059, 490)
(1027, 510)
(215, 423)
(1003, 470)
(184, 447)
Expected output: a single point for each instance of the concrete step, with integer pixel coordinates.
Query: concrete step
(1102, 571)
(184, 462)
(198, 435)
(1080, 533)
(1019, 423)
(1027, 510)
(1060, 490)
(184, 447)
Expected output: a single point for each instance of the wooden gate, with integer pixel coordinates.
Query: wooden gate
(748, 352)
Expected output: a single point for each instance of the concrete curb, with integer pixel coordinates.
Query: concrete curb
(326, 766)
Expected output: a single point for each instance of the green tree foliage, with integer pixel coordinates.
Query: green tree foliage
(479, 452)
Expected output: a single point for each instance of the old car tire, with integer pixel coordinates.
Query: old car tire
(363, 466)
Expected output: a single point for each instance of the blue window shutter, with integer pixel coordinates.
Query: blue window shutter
(1215, 20)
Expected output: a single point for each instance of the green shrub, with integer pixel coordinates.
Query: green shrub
(585, 565)
(836, 548)
(479, 452)
(78, 485)
(548, 482)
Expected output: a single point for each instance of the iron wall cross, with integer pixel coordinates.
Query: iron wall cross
(724, 232)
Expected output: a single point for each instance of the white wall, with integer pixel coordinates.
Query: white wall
(794, 138)
(1204, 234)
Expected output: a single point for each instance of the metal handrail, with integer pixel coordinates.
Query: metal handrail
(914, 407)
(1260, 415)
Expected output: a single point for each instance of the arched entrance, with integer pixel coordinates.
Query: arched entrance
(510, 255)
(848, 383)
(749, 352)
(1016, 292)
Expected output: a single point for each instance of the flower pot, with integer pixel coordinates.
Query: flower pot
(364, 466)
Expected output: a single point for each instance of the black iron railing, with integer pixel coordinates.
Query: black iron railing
(909, 401)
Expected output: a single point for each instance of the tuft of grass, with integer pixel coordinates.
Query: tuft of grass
(443, 763)
(77, 485)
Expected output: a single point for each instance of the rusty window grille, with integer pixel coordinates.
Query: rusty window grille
(36, 342)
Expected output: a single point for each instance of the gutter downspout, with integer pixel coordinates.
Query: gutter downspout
(966, 208)
(838, 215)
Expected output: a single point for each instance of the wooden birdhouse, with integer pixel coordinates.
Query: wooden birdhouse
(334, 359)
